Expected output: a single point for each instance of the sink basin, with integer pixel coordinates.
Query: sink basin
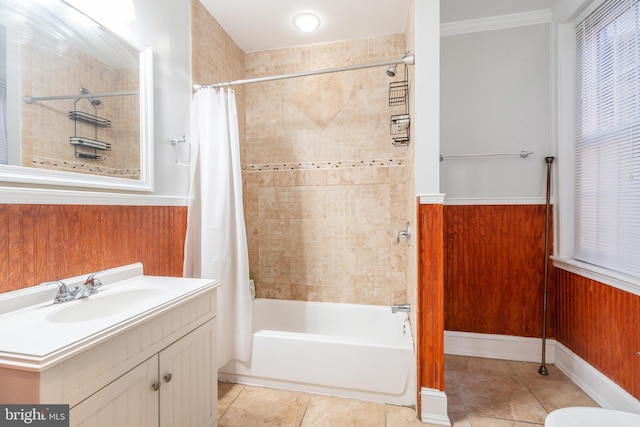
(98, 306)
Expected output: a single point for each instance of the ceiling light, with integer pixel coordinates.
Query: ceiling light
(306, 21)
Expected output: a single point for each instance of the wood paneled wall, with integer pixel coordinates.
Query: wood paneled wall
(600, 324)
(493, 274)
(47, 242)
(430, 329)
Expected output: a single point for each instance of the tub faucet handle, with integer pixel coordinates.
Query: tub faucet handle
(405, 234)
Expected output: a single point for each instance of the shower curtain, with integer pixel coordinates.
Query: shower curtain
(216, 241)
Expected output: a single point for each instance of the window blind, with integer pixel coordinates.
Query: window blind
(4, 146)
(607, 197)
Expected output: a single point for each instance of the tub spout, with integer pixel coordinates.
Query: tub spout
(404, 308)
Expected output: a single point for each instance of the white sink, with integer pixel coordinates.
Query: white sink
(98, 306)
(36, 333)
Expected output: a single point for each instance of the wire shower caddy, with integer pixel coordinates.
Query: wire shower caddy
(400, 123)
(94, 121)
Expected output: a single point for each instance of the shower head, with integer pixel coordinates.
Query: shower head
(94, 101)
(391, 71)
(407, 59)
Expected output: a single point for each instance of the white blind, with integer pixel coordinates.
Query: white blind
(608, 137)
(4, 146)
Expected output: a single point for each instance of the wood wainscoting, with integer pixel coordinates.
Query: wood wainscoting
(493, 270)
(599, 323)
(48, 242)
(430, 330)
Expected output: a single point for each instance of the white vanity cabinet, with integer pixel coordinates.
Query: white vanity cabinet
(151, 367)
(128, 401)
(176, 387)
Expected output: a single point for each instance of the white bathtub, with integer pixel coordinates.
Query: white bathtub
(359, 351)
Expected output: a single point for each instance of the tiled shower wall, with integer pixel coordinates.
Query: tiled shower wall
(325, 190)
(328, 234)
(215, 57)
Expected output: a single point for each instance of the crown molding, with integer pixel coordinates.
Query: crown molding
(565, 11)
(496, 23)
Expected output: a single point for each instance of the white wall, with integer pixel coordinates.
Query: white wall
(496, 98)
(165, 26)
(424, 120)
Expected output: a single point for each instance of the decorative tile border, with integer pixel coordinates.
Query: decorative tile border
(71, 166)
(335, 164)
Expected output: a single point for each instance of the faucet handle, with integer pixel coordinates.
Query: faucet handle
(63, 292)
(405, 234)
(92, 281)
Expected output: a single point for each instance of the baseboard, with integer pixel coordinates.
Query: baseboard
(498, 346)
(593, 382)
(434, 407)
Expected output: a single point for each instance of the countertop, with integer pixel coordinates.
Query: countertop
(28, 336)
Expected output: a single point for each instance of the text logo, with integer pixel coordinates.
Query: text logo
(34, 415)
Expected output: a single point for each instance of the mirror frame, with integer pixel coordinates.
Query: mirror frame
(28, 175)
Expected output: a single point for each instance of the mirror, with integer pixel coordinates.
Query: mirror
(76, 100)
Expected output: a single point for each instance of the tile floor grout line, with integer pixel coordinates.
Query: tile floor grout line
(306, 408)
(533, 393)
(385, 416)
(522, 381)
(243, 387)
(455, 382)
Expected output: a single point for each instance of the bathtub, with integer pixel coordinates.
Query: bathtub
(348, 350)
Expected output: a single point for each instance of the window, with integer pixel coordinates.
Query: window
(607, 193)
(4, 147)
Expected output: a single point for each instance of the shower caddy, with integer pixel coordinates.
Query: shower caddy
(398, 95)
(92, 120)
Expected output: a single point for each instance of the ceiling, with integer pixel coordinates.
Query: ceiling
(257, 25)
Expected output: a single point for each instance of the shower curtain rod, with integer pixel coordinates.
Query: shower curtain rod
(408, 59)
(31, 99)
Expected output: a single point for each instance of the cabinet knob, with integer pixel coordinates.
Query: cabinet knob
(156, 386)
(168, 377)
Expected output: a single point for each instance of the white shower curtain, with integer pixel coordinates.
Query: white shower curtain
(216, 240)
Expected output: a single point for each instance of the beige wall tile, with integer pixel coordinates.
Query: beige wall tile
(324, 189)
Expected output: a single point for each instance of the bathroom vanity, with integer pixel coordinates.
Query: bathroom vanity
(141, 351)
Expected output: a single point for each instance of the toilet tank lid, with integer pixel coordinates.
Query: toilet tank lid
(585, 416)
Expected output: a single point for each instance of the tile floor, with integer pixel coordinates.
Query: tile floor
(480, 393)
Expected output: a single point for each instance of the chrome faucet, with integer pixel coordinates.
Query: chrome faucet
(404, 308)
(64, 294)
(405, 234)
(93, 282)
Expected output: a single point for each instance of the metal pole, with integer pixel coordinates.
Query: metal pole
(31, 99)
(408, 59)
(543, 367)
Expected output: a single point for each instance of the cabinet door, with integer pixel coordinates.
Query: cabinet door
(128, 401)
(189, 392)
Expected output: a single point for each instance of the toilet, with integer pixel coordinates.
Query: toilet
(591, 417)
